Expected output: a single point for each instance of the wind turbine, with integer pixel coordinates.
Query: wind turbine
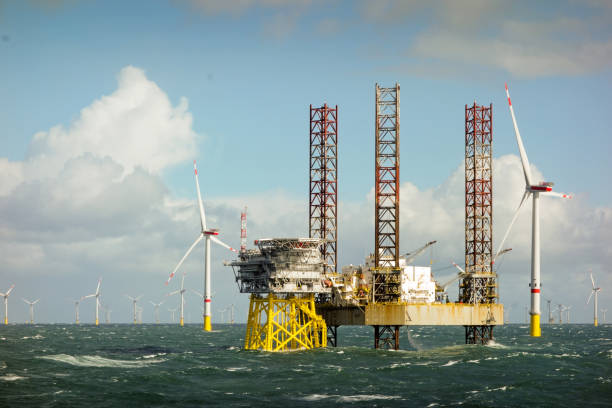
(31, 308)
(550, 318)
(222, 311)
(97, 296)
(156, 306)
(181, 292)
(595, 291)
(5, 296)
(567, 309)
(173, 311)
(209, 235)
(76, 311)
(533, 190)
(560, 310)
(603, 312)
(134, 300)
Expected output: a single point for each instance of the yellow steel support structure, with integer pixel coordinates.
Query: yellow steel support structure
(284, 324)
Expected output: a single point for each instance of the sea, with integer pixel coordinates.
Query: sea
(148, 365)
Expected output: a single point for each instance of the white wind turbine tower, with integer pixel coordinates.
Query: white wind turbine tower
(594, 291)
(534, 190)
(156, 306)
(567, 309)
(31, 308)
(76, 310)
(181, 292)
(134, 300)
(603, 312)
(209, 235)
(173, 311)
(5, 296)
(97, 296)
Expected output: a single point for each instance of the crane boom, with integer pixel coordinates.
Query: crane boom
(410, 256)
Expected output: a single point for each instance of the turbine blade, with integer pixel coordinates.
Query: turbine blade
(197, 293)
(36, 301)
(458, 267)
(557, 195)
(98, 288)
(8, 292)
(185, 257)
(202, 215)
(519, 141)
(88, 296)
(589, 299)
(174, 293)
(592, 281)
(501, 245)
(223, 244)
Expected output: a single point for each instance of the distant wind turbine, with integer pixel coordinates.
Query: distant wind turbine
(180, 292)
(594, 291)
(134, 300)
(76, 310)
(173, 311)
(156, 306)
(31, 308)
(97, 296)
(209, 235)
(5, 296)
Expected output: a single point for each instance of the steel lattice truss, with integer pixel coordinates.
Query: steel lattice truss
(324, 182)
(386, 246)
(479, 286)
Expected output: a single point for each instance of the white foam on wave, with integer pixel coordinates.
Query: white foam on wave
(148, 356)
(2, 365)
(494, 344)
(36, 337)
(233, 369)
(450, 363)
(366, 397)
(97, 361)
(11, 377)
(315, 397)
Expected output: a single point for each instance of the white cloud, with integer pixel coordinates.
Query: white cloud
(514, 37)
(136, 126)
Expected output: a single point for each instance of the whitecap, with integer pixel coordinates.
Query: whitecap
(232, 369)
(2, 365)
(36, 337)
(450, 363)
(494, 344)
(315, 397)
(97, 361)
(366, 397)
(11, 377)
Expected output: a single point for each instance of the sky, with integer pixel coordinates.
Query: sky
(104, 105)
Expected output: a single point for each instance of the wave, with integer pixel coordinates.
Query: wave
(349, 398)
(36, 337)
(450, 363)
(12, 377)
(365, 397)
(97, 361)
(494, 344)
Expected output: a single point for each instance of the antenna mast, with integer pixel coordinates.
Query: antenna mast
(243, 230)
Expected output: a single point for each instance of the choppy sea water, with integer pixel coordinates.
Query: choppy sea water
(165, 365)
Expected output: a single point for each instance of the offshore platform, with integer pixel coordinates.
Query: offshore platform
(299, 297)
